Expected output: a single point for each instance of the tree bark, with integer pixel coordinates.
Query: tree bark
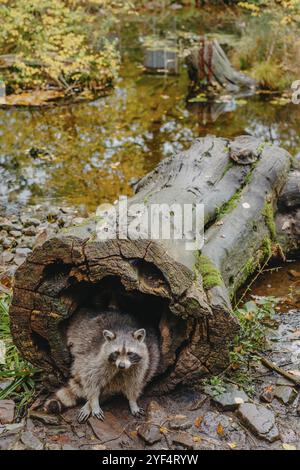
(185, 295)
(208, 65)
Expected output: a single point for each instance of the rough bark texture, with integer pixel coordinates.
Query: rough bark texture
(186, 295)
(208, 65)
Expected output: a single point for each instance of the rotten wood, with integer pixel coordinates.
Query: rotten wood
(208, 65)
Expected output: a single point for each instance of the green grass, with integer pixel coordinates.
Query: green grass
(21, 374)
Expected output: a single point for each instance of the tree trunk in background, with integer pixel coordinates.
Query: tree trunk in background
(186, 295)
(208, 65)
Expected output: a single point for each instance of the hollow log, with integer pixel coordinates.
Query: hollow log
(186, 295)
(208, 65)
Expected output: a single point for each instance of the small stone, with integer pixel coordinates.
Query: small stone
(18, 446)
(285, 394)
(149, 433)
(68, 447)
(179, 422)
(6, 257)
(19, 259)
(184, 439)
(28, 221)
(260, 420)
(44, 418)
(106, 430)
(9, 242)
(16, 233)
(267, 394)
(23, 251)
(52, 446)
(231, 399)
(30, 441)
(5, 383)
(29, 231)
(14, 428)
(150, 430)
(7, 411)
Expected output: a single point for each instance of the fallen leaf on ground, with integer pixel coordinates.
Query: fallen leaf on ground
(198, 421)
(232, 445)
(288, 447)
(220, 430)
(163, 430)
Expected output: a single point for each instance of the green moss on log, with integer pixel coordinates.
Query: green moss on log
(211, 276)
(268, 214)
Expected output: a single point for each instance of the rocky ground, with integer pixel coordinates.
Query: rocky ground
(202, 417)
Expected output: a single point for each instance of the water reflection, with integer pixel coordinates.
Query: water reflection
(90, 152)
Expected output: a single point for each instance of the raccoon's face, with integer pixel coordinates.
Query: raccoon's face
(125, 351)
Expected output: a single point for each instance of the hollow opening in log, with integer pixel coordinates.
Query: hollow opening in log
(41, 344)
(151, 310)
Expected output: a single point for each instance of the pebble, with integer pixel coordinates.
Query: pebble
(45, 418)
(29, 231)
(260, 420)
(184, 439)
(230, 399)
(30, 441)
(285, 394)
(7, 411)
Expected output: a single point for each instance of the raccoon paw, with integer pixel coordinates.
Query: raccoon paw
(98, 413)
(138, 413)
(84, 413)
(53, 406)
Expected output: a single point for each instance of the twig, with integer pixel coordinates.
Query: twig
(279, 370)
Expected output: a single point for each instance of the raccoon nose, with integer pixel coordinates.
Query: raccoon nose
(121, 365)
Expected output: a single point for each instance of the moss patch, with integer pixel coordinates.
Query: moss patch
(211, 276)
(268, 214)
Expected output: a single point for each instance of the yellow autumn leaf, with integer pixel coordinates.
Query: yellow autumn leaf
(163, 430)
(289, 447)
(232, 445)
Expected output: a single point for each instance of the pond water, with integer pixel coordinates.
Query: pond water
(90, 152)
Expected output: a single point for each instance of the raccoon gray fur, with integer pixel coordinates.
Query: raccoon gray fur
(111, 355)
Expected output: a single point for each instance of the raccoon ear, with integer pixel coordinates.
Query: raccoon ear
(108, 335)
(139, 335)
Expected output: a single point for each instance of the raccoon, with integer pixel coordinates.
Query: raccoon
(111, 355)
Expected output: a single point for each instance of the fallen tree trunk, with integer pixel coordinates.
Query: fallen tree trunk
(186, 295)
(208, 65)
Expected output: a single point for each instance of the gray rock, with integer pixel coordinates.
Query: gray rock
(150, 430)
(260, 420)
(285, 394)
(179, 422)
(231, 399)
(45, 418)
(29, 231)
(68, 447)
(7, 411)
(5, 383)
(30, 441)
(23, 251)
(184, 439)
(149, 433)
(52, 446)
(10, 429)
(27, 221)
(16, 233)
(9, 242)
(6, 257)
